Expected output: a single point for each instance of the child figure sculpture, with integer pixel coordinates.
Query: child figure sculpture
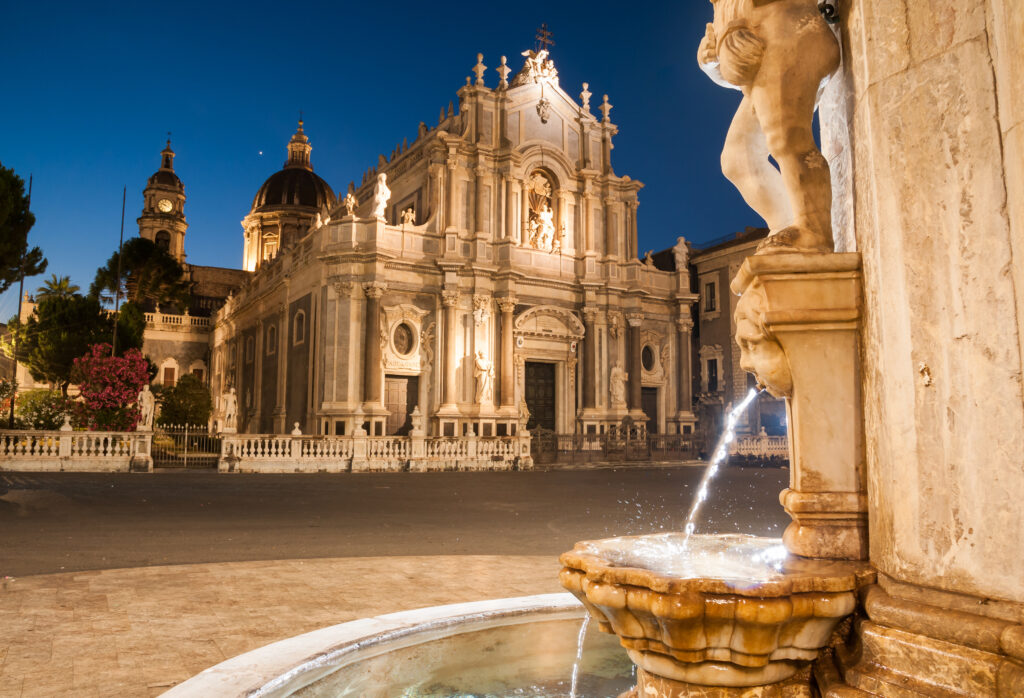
(779, 53)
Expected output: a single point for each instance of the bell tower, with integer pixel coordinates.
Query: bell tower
(163, 208)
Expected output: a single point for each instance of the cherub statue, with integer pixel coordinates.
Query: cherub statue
(351, 203)
(760, 353)
(381, 195)
(409, 216)
(779, 53)
(649, 258)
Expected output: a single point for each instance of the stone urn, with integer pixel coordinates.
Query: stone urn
(713, 615)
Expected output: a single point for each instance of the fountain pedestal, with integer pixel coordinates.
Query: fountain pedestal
(811, 306)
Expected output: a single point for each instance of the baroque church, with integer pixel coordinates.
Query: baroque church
(483, 277)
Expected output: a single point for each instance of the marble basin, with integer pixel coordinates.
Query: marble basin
(723, 610)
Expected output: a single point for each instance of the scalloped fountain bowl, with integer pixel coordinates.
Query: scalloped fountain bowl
(721, 610)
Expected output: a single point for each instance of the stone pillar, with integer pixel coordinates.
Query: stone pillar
(589, 359)
(810, 307)
(611, 247)
(684, 385)
(449, 217)
(372, 377)
(508, 383)
(450, 298)
(635, 367)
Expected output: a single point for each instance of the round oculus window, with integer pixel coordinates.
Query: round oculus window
(647, 358)
(403, 339)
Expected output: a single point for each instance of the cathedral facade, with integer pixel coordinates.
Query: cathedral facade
(482, 277)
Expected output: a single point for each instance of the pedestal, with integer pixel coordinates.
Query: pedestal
(809, 305)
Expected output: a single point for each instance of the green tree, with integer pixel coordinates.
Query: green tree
(15, 222)
(149, 275)
(61, 329)
(42, 409)
(56, 286)
(187, 402)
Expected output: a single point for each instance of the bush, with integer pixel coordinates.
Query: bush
(42, 409)
(187, 402)
(110, 387)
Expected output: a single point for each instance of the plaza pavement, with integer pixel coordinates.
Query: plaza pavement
(137, 632)
(156, 598)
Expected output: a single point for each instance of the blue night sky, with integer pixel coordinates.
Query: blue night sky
(89, 95)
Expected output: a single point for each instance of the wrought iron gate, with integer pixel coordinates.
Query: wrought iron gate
(186, 447)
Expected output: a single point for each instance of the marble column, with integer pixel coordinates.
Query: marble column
(449, 216)
(589, 359)
(635, 367)
(508, 385)
(684, 328)
(450, 298)
(372, 378)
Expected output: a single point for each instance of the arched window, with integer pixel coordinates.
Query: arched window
(163, 240)
(271, 340)
(299, 328)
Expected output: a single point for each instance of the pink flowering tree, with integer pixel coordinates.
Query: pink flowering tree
(110, 388)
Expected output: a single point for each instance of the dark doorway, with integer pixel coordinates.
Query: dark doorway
(540, 395)
(649, 404)
(401, 395)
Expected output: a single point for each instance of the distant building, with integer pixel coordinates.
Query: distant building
(719, 382)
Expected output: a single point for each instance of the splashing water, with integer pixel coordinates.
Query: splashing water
(721, 453)
(579, 656)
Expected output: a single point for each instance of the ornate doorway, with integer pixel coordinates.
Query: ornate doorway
(540, 395)
(401, 395)
(649, 404)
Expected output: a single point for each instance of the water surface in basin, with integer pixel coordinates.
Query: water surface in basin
(730, 557)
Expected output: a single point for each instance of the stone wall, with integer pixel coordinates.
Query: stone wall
(923, 131)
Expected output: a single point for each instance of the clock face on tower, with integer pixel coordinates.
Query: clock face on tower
(164, 205)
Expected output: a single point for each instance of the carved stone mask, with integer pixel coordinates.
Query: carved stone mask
(760, 353)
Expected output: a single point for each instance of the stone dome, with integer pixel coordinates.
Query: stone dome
(296, 185)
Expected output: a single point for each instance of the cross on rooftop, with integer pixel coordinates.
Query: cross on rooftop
(544, 41)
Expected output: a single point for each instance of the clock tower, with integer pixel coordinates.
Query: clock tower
(163, 208)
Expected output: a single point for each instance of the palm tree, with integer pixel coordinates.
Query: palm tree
(56, 287)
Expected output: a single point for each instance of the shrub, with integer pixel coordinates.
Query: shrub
(187, 402)
(110, 387)
(42, 409)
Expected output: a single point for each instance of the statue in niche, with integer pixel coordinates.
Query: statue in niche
(484, 372)
(760, 352)
(381, 196)
(409, 216)
(617, 385)
(147, 407)
(229, 404)
(779, 53)
(541, 226)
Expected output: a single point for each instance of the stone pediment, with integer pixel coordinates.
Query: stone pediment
(548, 321)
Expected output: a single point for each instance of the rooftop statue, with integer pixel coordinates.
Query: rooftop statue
(381, 196)
(779, 53)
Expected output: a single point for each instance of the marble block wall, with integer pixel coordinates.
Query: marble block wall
(923, 131)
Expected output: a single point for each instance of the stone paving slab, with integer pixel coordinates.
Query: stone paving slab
(137, 632)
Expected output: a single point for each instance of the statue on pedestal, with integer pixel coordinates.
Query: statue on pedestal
(617, 384)
(484, 372)
(381, 196)
(147, 407)
(229, 404)
(779, 53)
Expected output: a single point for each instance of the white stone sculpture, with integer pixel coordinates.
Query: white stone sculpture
(649, 258)
(381, 195)
(229, 406)
(409, 216)
(617, 384)
(682, 254)
(778, 53)
(484, 372)
(147, 408)
(760, 353)
(351, 203)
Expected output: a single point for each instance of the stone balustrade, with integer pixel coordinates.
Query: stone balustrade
(286, 454)
(85, 451)
(760, 446)
(172, 321)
